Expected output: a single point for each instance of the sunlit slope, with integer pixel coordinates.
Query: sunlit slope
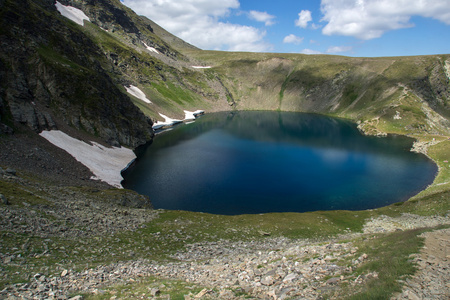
(139, 55)
(407, 94)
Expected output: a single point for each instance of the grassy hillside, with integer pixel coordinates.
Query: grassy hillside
(399, 94)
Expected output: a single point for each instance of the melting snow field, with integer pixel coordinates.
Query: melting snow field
(72, 13)
(192, 115)
(136, 92)
(106, 163)
(202, 67)
(151, 49)
(167, 122)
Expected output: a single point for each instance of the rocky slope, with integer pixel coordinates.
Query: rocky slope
(88, 225)
(52, 76)
(55, 73)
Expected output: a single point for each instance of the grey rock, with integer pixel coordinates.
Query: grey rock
(290, 277)
(284, 293)
(411, 295)
(201, 293)
(5, 129)
(155, 292)
(11, 172)
(268, 281)
(333, 281)
(3, 199)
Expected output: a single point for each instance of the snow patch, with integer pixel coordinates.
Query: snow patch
(201, 67)
(136, 92)
(167, 122)
(151, 49)
(106, 163)
(72, 13)
(192, 115)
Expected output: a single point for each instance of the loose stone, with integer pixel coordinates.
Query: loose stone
(3, 199)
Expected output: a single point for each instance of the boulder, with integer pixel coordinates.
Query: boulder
(3, 199)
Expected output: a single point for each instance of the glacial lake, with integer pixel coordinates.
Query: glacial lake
(253, 162)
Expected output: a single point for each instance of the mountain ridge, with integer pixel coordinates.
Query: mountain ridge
(130, 53)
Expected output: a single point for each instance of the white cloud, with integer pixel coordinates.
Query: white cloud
(292, 39)
(310, 51)
(338, 49)
(369, 19)
(198, 22)
(262, 17)
(303, 18)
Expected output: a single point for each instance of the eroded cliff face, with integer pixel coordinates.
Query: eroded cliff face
(53, 75)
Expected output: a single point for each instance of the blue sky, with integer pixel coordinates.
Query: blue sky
(364, 28)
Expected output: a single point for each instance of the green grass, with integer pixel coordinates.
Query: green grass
(407, 68)
(440, 153)
(177, 94)
(51, 56)
(21, 197)
(144, 107)
(390, 256)
(142, 288)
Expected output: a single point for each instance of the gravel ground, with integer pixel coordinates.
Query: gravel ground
(34, 155)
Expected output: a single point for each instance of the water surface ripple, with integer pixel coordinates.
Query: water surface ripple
(259, 162)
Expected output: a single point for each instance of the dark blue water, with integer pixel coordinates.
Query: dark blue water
(259, 162)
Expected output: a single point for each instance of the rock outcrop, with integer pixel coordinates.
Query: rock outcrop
(52, 75)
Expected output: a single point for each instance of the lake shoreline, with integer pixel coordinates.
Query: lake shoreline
(292, 122)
